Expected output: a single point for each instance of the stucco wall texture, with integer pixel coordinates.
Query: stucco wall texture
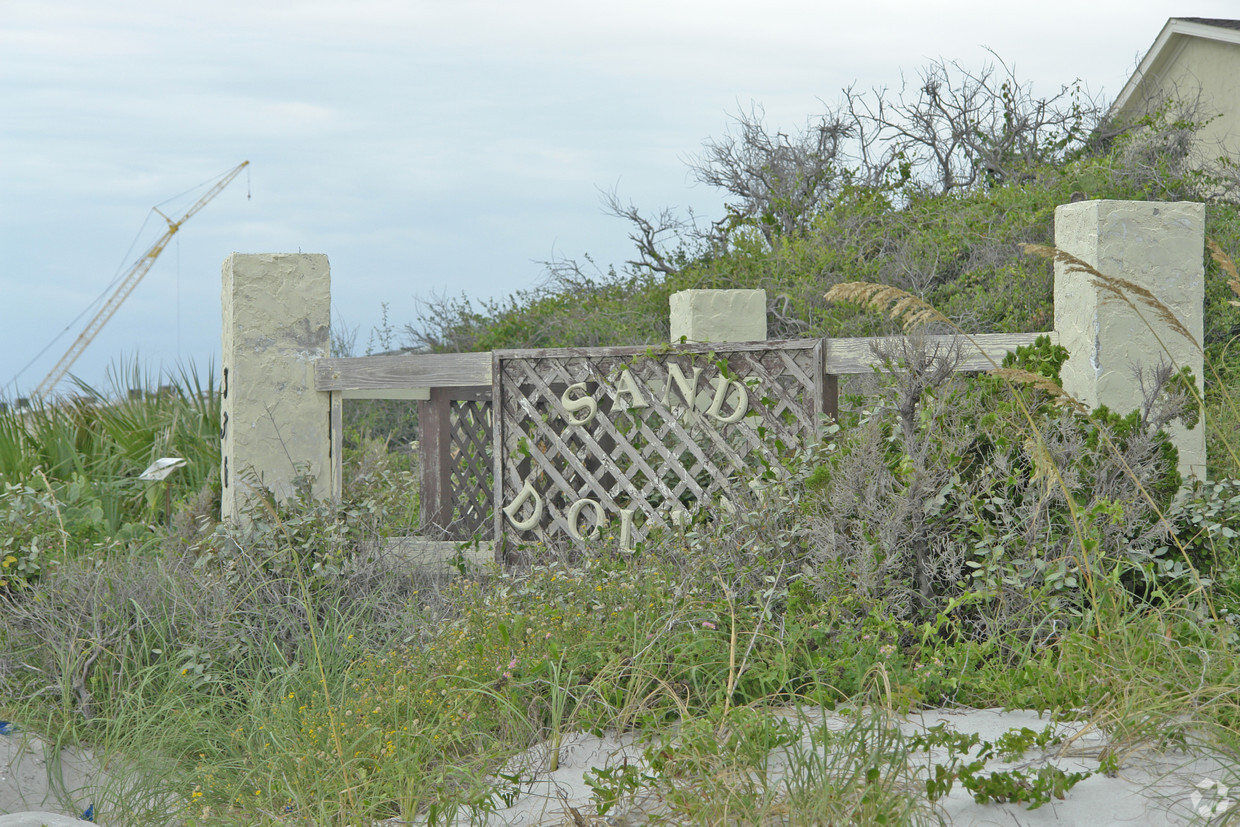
(275, 425)
(718, 315)
(1158, 246)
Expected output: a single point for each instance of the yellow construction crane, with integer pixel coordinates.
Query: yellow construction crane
(128, 283)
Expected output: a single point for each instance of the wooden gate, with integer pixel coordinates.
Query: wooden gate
(617, 441)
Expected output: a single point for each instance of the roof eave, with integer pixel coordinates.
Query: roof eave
(1168, 42)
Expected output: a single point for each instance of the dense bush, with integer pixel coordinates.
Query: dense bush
(997, 504)
(209, 610)
(921, 204)
(929, 189)
(41, 529)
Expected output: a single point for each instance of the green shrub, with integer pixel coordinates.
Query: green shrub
(40, 529)
(997, 501)
(1206, 527)
(33, 536)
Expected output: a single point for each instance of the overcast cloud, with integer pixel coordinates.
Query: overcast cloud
(426, 146)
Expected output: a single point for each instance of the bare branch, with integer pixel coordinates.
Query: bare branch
(648, 234)
(958, 129)
(777, 180)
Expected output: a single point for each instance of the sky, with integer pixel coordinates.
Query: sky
(428, 147)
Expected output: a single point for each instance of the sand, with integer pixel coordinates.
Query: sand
(1150, 788)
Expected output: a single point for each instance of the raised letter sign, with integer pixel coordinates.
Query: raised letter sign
(675, 376)
(624, 441)
(627, 386)
(721, 392)
(581, 402)
(626, 529)
(574, 514)
(513, 507)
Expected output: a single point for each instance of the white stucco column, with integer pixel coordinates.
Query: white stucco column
(718, 315)
(274, 425)
(1158, 246)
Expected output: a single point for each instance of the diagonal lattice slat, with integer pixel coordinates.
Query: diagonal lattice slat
(470, 469)
(674, 430)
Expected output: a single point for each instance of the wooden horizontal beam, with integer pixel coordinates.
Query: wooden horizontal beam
(409, 376)
(414, 394)
(404, 371)
(851, 356)
(473, 393)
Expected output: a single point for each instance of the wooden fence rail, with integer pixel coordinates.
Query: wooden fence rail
(371, 377)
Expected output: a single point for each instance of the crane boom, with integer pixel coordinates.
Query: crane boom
(127, 285)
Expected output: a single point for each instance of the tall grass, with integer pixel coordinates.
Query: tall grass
(106, 438)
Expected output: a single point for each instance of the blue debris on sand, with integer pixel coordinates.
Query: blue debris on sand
(6, 728)
(89, 815)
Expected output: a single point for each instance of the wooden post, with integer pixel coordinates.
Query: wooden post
(434, 450)
(831, 395)
(336, 427)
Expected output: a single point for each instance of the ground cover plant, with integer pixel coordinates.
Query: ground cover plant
(975, 542)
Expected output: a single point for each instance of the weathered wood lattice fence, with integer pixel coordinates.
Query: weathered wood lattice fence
(624, 438)
(452, 392)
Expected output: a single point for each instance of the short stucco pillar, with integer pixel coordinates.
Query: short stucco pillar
(718, 315)
(1158, 246)
(275, 427)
